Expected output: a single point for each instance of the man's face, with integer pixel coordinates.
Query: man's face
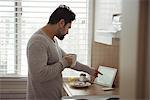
(63, 30)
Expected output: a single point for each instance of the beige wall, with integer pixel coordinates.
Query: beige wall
(107, 55)
(134, 50)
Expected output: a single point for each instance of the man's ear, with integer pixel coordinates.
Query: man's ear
(62, 23)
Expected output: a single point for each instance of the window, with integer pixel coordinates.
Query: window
(19, 19)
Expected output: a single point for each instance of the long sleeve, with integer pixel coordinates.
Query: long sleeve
(45, 66)
(37, 61)
(81, 67)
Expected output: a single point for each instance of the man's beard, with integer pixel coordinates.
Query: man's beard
(61, 37)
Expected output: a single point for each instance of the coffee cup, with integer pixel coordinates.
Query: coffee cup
(83, 77)
(74, 58)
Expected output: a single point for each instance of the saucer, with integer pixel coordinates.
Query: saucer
(79, 84)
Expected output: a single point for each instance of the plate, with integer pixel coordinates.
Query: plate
(79, 84)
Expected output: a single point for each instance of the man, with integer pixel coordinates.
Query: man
(46, 60)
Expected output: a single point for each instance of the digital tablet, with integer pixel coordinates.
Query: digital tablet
(108, 76)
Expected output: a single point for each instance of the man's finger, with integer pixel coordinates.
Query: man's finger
(98, 72)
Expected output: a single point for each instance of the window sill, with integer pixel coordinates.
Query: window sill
(6, 78)
(13, 91)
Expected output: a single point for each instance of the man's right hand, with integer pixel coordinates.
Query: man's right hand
(68, 59)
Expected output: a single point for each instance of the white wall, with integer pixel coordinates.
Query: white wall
(104, 10)
(128, 49)
(134, 60)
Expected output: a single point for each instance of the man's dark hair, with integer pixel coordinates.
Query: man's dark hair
(62, 12)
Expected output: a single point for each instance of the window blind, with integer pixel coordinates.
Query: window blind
(19, 19)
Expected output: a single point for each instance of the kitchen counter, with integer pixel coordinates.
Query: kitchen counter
(92, 90)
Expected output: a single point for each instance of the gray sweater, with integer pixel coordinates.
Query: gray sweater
(45, 66)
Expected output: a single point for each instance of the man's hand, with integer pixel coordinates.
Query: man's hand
(68, 59)
(97, 72)
(95, 75)
(71, 59)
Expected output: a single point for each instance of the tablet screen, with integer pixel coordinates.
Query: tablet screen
(108, 76)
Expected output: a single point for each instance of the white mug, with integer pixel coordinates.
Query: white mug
(74, 59)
